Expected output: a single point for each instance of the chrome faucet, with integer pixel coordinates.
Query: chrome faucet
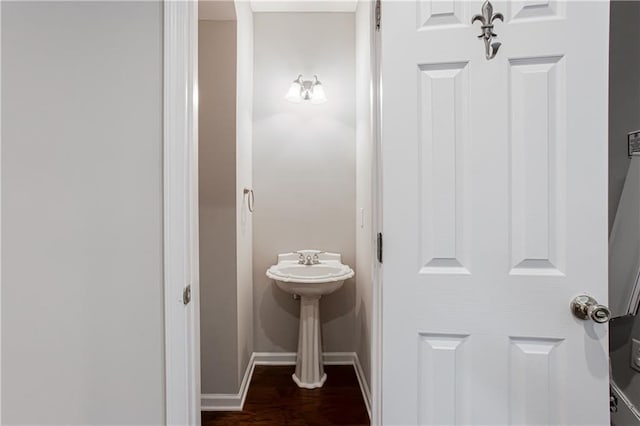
(308, 259)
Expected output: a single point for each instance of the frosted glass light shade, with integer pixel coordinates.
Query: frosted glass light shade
(293, 95)
(318, 96)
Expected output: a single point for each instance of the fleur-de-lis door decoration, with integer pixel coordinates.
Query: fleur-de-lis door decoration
(487, 35)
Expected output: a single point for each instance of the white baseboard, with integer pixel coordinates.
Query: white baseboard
(339, 358)
(289, 358)
(235, 402)
(627, 414)
(275, 358)
(362, 380)
(229, 401)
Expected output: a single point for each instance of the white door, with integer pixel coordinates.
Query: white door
(495, 213)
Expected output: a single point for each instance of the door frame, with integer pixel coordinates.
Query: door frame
(180, 217)
(180, 212)
(376, 188)
(0, 211)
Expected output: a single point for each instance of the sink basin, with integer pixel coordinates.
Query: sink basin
(324, 273)
(309, 280)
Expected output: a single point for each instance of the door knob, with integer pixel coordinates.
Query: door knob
(586, 307)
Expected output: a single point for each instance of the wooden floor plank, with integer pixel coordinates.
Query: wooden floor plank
(274, 399)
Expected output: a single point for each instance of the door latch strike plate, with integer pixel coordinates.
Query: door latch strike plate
(186, 295)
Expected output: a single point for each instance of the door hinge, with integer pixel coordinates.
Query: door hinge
(186, 295)
(379, 247)
(613, 401)
(378, 14)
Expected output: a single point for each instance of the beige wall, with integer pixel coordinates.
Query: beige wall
(624, 117)
(244, 179)
(364, 190)
(82, 291)
(303, 168)
(217, 186)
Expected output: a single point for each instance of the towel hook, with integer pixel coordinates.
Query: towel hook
(486, 19)
(250, 199)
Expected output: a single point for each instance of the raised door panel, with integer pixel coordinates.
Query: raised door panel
(535, 381)
(443, 379)
(537, 133)
(444, 189)
(526, 10)
(439, 13)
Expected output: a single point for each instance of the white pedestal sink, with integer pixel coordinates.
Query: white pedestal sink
(309, 274)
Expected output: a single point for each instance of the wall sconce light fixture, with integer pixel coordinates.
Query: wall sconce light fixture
(308, 90)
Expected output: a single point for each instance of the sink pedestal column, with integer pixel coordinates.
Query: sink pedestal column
(309, 369)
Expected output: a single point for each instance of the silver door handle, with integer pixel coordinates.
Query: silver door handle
(586, 307)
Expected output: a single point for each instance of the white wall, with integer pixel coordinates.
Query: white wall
(82, 291)
(303, 167)
(364, 190)
(624, 117)
(244, 179)
(217, 206)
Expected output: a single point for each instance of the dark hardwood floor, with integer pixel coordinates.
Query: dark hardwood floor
(274, 399)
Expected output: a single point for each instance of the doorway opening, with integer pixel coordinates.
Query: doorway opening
(475, 213)
(279, 175)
